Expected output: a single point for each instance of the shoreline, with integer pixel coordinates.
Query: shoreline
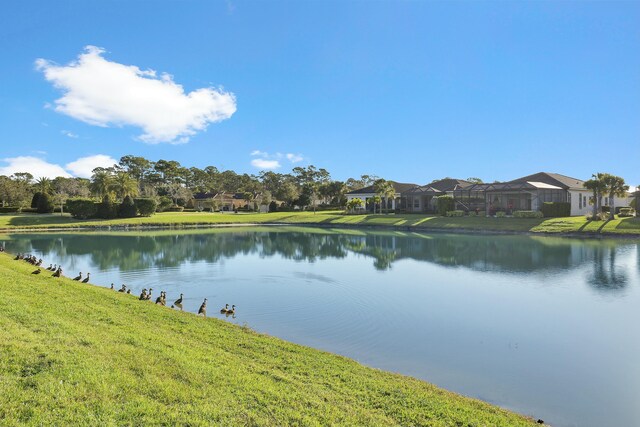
(387, 227)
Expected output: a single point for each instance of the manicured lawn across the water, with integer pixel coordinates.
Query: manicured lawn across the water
(577, 224)
(75, 354)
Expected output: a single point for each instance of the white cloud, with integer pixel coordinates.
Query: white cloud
(259, 153)
(103, 93)
(34, 165)
(84, 166)
(69, 134)
(294, 158)
(265, 164)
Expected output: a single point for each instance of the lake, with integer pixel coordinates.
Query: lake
(544, 326)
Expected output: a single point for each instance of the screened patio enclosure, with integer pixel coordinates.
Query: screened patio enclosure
(508, 197)
(420, 199)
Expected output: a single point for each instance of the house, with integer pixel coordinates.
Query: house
(367, 194)
(218, 201)
(421, 199)
(529, 193)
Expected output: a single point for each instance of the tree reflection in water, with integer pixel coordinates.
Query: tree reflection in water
(142, 250)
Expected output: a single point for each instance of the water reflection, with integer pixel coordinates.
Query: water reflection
(140, 251)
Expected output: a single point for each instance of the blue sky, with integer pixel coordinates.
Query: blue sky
(409, 91)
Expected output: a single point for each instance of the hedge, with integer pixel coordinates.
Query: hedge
(556, 209)
(500, 214)
(127, 208)
(45, 204)
(9, 209)
(107, 209)
(455, 213)
(175, 208)
(82, 208)
(527, 214)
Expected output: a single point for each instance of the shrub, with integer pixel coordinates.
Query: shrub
(164, 203)
(107, 209)
(28, 210)
(35, 199)
(273, 206)
(45, 204)
(527, 214)
(556, 209)
(82, 208)
(501, 214)
(127, 208)
(473, 213)
(145, 207)
(175, 208)
(9, 209)
(445, 204)
(455, 213)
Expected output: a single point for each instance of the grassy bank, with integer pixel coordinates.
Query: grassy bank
(73, 354)
(630, 226)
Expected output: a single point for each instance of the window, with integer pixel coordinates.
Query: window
(579, 201)
(416, 202)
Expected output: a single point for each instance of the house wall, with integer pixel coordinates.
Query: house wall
(366, 196)
(586, 208)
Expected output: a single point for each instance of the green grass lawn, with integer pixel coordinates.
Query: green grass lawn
(74, 354)
(577, 224)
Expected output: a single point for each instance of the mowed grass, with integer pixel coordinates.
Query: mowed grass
(578, 224)
(74, 354)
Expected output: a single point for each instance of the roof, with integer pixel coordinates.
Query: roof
(422, 190)
(400, 187)
(556, 179)
(511, 186)
(449, 184)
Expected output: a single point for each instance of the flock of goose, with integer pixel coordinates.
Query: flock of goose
(144, 295)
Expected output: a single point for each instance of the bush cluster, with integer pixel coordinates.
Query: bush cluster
(108, 209)
(445, 204)
(455, 213)
(626, 212)
(501, 214)
(556, 209)
(527, 214)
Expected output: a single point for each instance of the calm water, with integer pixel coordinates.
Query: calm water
(544, 326)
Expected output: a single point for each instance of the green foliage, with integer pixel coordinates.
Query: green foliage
(164, 203)
(355, 204)
(273, 206)
(127, 208)
(500, 214)
(145, 206)
(444, 204)
(528, 214)
(455, 213)
(35, 199)
(45, 204)
(626, 212)
(473, 213)
(8, 209)
(175, 208)
(107, 209)
(82, 208)
(556, 209)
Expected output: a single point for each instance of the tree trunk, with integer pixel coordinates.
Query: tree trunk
(612, 209)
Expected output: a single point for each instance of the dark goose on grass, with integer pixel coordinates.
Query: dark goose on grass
(541, 325)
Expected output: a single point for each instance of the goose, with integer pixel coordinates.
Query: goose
(163, 295)
(231, 311)
(149, 294)
(38, 271)
(203, 308)
(17, 257)
(224, 309)
(128, 291)
(123, 289)
(178, 301)
(143, 294)
(112, 288)
(39, 263)
(50, 267)
(159, 299)
(86, 279)
(78, 277)
(57, 273)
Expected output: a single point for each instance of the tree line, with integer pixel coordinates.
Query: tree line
(172, 184)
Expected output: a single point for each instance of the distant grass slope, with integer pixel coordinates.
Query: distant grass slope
(73, 354)
(577, 224)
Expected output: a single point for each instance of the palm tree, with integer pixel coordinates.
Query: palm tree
(101, 183)
(614, 186)
(384, 189)
(43, 185)
(596, 185)
(124, 185)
